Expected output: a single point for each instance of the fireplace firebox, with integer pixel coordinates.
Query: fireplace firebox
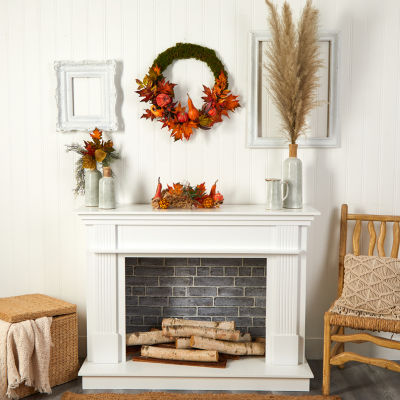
(205, 289)
(232, 232)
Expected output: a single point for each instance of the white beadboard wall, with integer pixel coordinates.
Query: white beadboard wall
(43, 242)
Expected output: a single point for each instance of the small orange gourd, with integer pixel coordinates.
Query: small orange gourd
(158, 191)
(193, 111)
(213, 189)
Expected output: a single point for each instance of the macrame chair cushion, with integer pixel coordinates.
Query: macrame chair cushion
(371, 288)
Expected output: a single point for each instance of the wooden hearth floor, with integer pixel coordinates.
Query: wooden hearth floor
(354, 382)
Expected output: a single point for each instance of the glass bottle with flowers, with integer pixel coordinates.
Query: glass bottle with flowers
(87, 175)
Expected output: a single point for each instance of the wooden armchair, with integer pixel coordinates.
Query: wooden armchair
(335, 324)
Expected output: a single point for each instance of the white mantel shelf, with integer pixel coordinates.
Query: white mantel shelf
(230, 231)
(229, 209)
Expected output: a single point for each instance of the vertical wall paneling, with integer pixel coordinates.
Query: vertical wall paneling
(18, 149)
(43, 243)
(34, 149)
(7, 250)
(195, 34)
(162, 151)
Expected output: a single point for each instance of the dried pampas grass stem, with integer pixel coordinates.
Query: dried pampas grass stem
(292, 70)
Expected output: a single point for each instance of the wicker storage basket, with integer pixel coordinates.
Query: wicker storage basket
(64, 364)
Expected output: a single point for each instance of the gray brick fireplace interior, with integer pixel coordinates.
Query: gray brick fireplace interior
(215, 289)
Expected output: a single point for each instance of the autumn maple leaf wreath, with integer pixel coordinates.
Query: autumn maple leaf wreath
(159, 93)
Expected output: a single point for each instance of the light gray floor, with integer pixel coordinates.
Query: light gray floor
(354, 382)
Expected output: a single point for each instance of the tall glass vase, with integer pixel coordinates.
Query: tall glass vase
(292, 173)
(92, 177)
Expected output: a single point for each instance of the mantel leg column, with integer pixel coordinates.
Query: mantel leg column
(103, 339)
(282, 315)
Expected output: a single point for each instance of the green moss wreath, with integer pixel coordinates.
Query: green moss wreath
(159, 93)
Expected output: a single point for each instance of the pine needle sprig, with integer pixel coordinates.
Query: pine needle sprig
(292, 71)
(80, 178)
(110, 158)
(79, 171)
(75, 147)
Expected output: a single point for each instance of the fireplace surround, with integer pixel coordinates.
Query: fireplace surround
(233, 231)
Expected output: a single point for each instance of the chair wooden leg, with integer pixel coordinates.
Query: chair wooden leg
(341, 348)
(326, 374)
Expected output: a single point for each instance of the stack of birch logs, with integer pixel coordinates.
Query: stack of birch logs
(200, 341)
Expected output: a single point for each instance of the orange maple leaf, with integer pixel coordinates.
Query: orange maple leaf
(180, 109)
(220, 83)
(230, 102)
(96, 134)
(210, 95)
(166, 87)
(181, 130)
(222, 79)
(148, 114)
(176, 189)
(170, 123)
(201, 188)
(157, 69)
(177, 134)
(188, 128)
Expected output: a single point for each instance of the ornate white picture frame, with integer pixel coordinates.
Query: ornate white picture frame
(86, 95)
(263, 122)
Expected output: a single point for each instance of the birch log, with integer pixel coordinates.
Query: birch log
(246, 337)
(191, 322)
(235, 348)
(212, 333)
(153, 337)
(179, 354)
(182, 343)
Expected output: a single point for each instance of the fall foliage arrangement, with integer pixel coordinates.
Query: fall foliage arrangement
(92, 152)
(159, 93)
(186, 196)
(293, 56)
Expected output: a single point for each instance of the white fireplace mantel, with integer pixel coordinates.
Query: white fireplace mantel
(230, 231)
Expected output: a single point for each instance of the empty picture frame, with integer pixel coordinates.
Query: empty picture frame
(263, 121)
(86, 95)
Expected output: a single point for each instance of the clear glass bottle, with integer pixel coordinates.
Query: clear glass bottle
(92, 178)
(106, 189)
(292, 173)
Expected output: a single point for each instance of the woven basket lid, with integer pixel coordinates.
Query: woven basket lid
(32, 306)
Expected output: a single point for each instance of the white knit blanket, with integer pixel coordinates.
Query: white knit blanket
(4, 327)
(24, 356)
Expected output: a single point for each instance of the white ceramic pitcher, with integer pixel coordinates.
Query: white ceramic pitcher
(275, 196)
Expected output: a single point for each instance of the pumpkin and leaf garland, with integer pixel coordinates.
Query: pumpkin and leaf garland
(159, 93)
(186, 196)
